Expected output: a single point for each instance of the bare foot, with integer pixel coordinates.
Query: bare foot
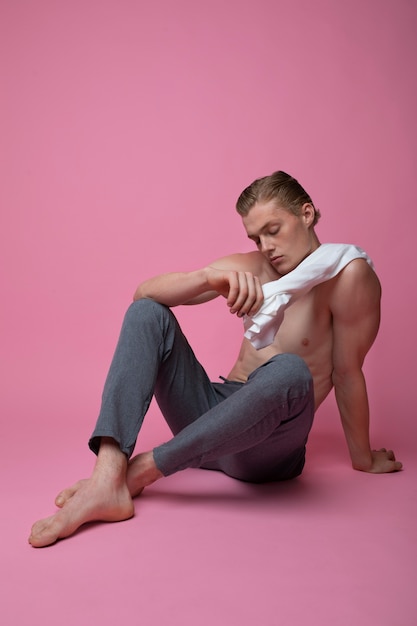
(141, 472)
(89, 500)
(105, 497)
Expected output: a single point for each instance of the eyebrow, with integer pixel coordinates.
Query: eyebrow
(264, 227)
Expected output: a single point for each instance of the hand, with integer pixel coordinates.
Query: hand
(383, 461)
(242, 290)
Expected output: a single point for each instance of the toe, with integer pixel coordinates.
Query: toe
(66, 494)
(62, 498)
(43, 533)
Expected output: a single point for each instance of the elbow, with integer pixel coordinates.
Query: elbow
(341, 376)
(138, 294)
(337, 378)
(345, 377)
(143, 291)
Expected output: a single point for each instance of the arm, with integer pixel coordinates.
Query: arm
(227, 277)
(177, 288)
(355, 307)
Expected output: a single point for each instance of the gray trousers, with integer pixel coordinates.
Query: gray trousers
(254, 431)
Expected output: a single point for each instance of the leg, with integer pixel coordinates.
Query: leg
(152, 357)
(258, 433)
(151, 352)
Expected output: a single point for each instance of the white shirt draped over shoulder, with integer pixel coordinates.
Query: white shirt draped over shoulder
(321, 265)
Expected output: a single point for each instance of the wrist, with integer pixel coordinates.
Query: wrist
(205, 276)
(213, 279)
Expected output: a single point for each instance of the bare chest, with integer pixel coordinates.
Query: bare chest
(306, 325)
(306, 331)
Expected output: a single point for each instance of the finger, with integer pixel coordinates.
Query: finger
(397, 466)
(237, 293)
(233, 292)
(246, 295)
(259, 297)
(255, 296)
(252, 291)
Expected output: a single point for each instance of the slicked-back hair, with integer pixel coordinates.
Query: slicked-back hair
(279, 186)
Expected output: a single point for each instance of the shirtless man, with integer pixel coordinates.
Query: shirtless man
(254, 426)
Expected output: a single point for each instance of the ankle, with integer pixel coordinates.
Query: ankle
(149, 468)
(142, 472)
(110, 459)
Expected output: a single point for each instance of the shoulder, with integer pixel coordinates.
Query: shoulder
(356, 290)
(358, 274)
(355, 310)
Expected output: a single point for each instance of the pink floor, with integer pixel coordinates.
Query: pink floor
(336, 547)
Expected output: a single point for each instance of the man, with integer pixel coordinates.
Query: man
(254, 425)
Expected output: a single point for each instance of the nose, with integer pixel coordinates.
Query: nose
(266, 244)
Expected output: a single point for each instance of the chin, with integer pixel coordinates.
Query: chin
(285, 268)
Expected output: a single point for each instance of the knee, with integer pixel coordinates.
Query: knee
(145, 306)
(293, 365)
(146, 310)
(289, 372)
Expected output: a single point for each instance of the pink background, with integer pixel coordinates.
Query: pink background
(128, 129)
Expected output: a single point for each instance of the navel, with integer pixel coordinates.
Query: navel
(305, 341)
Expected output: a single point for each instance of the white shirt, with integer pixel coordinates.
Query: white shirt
(321, 265)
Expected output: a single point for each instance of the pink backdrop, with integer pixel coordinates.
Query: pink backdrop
(128, 129)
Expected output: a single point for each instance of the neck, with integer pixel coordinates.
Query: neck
(315, 243)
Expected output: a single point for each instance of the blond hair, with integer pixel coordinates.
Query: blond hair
(279, 186)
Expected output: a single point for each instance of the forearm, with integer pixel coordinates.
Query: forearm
(241, 288)
(352, 401)
(175, 288)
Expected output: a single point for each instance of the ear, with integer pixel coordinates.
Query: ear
(308, 213)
